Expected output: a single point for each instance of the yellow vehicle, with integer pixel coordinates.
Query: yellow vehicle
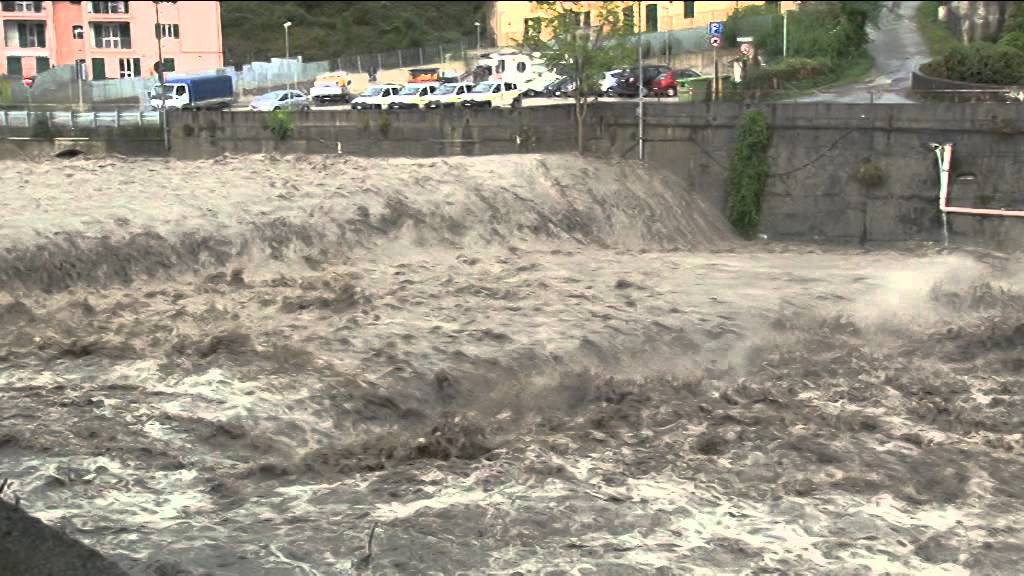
(331, 87)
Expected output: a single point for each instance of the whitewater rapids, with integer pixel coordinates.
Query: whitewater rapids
(535, 365)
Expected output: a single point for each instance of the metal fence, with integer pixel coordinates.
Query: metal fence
(408, 57)
(72, 120)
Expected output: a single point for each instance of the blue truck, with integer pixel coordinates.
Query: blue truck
(215, 91)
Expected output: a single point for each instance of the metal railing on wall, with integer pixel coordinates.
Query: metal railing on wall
(65, 119)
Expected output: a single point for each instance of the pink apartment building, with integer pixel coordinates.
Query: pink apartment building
(110, 39)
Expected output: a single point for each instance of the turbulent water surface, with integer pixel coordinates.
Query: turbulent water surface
(505, 364)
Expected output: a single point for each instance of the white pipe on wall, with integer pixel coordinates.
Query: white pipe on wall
(944, 155)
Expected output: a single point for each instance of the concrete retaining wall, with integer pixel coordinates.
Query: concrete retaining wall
(817, 150)
(954, 91)
(374, 133)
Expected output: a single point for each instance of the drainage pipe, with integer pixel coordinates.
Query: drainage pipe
(944, 155)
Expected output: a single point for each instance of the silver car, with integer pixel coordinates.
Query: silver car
(280, 100)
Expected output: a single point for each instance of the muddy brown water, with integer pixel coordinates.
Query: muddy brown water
(506, 364)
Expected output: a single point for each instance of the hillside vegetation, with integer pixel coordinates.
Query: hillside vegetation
(323, 30)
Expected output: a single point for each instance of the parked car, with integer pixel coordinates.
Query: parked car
(376, 97)
(611, 77)
(331, 87)
(413, 96)
(658, 81)
(449, 95)
(494, 95)
(535, 86)
(280, 100)
(212, 91)
(684, 73)
(564, 88)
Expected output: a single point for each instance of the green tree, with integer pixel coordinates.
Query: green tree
(581, 47)
(329, 29)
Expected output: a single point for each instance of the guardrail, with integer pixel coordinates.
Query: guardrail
(70, 119)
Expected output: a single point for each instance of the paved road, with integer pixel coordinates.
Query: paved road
(527, 102)
(898, 50)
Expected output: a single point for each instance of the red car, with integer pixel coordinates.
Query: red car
(664, 84)
(658, 80)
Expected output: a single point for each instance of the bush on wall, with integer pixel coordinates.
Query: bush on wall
(980, 63)
(748, 172)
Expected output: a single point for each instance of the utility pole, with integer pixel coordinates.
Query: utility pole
(287, 25)
(640, 83)
(477, 24)
(160, 76)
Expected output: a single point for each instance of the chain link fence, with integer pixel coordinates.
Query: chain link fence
(411, 57)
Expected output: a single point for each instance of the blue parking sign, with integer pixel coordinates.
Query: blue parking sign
(715, 28)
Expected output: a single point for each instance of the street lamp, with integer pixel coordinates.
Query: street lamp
(477, 24)
(287, 25)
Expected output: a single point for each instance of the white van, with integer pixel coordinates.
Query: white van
(376, 97)
(494, 95)
(413, 96)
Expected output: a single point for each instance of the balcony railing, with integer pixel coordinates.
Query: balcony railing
(19, 7)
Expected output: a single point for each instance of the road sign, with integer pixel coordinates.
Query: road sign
(28, 81)
(716, 41)
(716, 28)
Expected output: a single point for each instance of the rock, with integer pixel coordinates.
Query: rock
(28, 547)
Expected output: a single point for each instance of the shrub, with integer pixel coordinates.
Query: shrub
(1015, 20)
(788, 70)
(937, 35)
(1013, 40)
(870, 175)
(281, 124)
(748, 172)
(981, 63)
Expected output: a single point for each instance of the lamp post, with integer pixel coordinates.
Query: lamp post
(477, 24)
(287, 25)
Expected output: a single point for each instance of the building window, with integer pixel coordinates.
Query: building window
(627, 18)
(22, 6)
(531, 27)
(42, 64)
(112, 35)
(14, 66)
(99, 69)
(25, 34)
(108, 7)
(130, 67)
(77, 32)
(687, 9)
(652, 17)
(167, 31)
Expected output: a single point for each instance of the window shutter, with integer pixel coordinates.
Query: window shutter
(99, 69)
(137, 67)
(8, 7)
(37, 6)
(14, 66)
(156, 27)
(125, 4)
(42, 64)
(41, 30)
(126, 36)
